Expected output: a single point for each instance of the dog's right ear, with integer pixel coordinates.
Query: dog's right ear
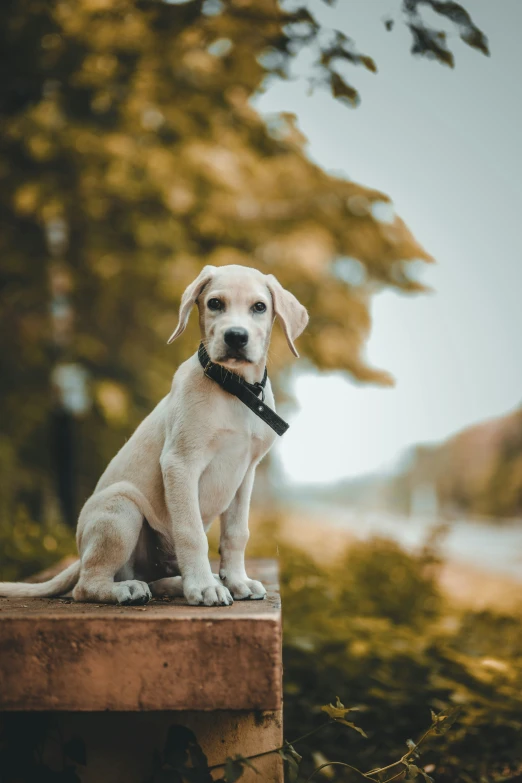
(289, 310)
(188, 300)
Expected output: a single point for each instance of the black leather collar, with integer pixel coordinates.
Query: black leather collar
(251, 394)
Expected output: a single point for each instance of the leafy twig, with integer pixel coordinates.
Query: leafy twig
(337, 713)
(284, 746)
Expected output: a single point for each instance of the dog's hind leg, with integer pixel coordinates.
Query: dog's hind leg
(171, 587)
(109, 528)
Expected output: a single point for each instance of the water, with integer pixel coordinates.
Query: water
(495, 547)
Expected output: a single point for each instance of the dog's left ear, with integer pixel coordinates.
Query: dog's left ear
(292, 314)
(188, 300)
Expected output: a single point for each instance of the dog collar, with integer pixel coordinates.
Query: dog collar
(248, 393)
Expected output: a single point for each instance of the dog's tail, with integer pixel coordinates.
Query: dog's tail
(58, 585)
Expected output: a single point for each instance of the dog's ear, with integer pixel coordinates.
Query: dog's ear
(188, 300)
(292, 314)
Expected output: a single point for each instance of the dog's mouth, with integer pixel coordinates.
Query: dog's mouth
(234, 356)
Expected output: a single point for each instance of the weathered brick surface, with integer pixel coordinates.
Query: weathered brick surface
(58, 655)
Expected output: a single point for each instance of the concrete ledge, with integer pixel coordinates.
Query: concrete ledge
(58, 655)
(120, 746)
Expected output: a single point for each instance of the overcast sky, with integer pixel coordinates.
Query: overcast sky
(445, 145)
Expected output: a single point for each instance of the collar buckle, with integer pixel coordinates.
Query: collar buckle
(261, 391)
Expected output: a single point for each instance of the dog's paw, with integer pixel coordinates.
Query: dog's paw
(245, 589)
(132, 593)
(208, 595)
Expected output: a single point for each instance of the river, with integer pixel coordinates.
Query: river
(494, 546)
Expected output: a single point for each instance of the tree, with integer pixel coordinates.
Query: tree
(130, 156)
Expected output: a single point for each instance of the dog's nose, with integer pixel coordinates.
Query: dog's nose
(236, 337)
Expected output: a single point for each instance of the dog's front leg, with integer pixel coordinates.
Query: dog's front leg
(188, 535)
(233, 541)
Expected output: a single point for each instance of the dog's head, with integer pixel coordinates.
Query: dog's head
(237, 306)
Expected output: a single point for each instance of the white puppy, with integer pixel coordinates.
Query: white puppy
(192, 459)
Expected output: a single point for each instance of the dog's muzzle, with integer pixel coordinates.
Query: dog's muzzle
(236, 339)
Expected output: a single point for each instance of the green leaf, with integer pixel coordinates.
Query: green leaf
(353, 726)
(412, 747)
(291, 760)
(338, 711)
(235, 767)
(469, 32)
(368, 63)
(445, 720)
(343, 91)
(291, 751)
(246, 761)
(303, 15)
(414, 771)
(233, 770)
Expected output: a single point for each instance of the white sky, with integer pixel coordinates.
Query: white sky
(445, 145)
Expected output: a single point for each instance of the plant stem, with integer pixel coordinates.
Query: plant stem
(339, 764)
(404, 758)
(394, 777)
(283, 746)
(366, 775)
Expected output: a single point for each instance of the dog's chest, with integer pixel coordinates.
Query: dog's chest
(235, 453)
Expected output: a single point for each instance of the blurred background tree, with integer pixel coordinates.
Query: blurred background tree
(131, 156)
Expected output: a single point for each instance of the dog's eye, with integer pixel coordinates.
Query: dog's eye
(215, 304)
(259, 307)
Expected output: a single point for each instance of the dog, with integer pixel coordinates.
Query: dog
(142, 533)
